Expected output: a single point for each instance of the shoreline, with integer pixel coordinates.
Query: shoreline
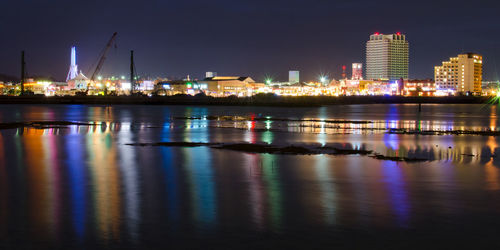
(263, 100)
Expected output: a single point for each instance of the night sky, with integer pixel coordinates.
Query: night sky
(254, 38)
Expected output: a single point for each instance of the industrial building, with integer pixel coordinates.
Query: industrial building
(387, 57)
(462, 74)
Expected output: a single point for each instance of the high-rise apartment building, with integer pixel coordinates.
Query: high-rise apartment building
(387, 57)
(463, 74)
(357, 71)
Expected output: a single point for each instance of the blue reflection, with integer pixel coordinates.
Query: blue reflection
(77, 182)
(202, 185)
(199, 167)
(130, 176)
(74, 112)
(391, 141)
(202, 176)
(397, 191)
(171, 175)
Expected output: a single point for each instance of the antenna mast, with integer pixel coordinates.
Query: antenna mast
(23, 65)
(133, 86)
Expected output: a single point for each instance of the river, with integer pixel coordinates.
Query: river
(84, 186)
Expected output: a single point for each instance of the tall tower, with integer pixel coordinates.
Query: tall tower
(73, 68)
(387, 57)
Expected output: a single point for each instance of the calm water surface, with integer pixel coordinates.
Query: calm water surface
(83, 187)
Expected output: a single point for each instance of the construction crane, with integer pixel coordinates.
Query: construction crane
(101, 60)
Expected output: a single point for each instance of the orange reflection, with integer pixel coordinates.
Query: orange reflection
(103, 165)
(492, 174)
(39, 182)
(493, 118)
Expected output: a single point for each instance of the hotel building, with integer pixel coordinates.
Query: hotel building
(387, 57)
(462, 74)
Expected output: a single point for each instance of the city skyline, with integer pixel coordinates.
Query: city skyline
(262, 45)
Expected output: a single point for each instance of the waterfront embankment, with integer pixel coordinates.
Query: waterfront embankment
(258, 100)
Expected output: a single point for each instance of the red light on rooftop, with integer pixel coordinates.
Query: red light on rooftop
(376, 33)
(398, 33)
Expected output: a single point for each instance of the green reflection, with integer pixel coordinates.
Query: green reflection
(272, 179)
(328, 193)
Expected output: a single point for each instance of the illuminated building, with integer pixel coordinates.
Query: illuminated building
(490, 87)
(293, 76)
(79, 82)
(387, 57)
(357, 71)
(73, 68)
(145, 85)
(36, 87)
(419, 87)
(462, 74)
(229, 85)
(180, 87)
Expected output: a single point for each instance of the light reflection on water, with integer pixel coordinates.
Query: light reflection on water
(83, 185)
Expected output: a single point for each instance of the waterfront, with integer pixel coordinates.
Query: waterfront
(83, 186)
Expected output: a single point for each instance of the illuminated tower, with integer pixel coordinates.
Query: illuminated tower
(73, 68)
(387, 57)
(357, 71)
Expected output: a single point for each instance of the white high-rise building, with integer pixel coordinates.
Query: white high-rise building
(293, 76)
(387, 57)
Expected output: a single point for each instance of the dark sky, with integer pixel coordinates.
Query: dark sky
(240, 37)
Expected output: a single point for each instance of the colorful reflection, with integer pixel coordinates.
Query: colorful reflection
(44, 181)
(84, 184)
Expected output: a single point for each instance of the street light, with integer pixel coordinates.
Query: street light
(323, 79)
